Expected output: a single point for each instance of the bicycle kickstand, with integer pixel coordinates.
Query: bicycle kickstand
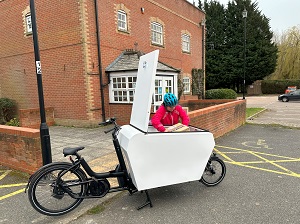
(148, 201)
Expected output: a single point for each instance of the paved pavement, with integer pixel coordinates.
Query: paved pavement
(276, 112)
(95, 141)
(98, 145)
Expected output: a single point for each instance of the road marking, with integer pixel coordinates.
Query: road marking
(260, 155)
(261, 143)
(12, 194)
(2, 176)
(12, 185)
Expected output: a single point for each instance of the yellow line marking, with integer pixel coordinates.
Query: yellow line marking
(263, 169)
(5, 174)
(235, 152)
(263, 160)
(261, 153)
(274, 164)
(275, 161)
(12, 185)
(12, 194)
(222, 154)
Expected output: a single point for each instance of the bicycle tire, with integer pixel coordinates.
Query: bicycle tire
(50, 198)
(214, 172)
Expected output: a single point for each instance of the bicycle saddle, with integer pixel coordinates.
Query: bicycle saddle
(71, 151)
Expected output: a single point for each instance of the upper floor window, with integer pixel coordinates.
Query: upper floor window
(122, 20)
(186, 84)
(28, 23)
(157, 33)
(185, 38)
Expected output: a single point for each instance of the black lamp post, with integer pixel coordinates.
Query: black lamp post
(245, 37)
(203, 55)
(44, 130)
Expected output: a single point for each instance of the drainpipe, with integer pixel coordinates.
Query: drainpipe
(99, 61)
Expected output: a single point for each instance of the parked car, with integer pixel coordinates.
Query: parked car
(293, 95)
(290, 89)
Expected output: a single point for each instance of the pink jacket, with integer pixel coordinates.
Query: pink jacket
(163, 117)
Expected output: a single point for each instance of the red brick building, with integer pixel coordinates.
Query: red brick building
(69, 41)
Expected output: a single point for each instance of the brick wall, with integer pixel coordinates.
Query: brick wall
(196, 104)
(220, 119)
(20, 148)
(30, 118)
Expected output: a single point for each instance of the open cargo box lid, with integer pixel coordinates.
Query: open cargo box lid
(144, 90)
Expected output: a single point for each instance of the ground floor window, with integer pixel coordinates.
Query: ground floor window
(186, 84)
(123, 89)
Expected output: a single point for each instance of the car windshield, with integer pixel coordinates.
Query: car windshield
(296, 92)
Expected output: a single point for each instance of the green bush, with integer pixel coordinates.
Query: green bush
(8, 110)
(13, 122)
(277, 86)
(220, 94)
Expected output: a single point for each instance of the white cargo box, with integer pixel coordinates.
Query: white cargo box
(156, 159)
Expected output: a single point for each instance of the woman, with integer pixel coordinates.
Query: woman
(169, 113)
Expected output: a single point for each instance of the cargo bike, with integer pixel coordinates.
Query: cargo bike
(147, 158)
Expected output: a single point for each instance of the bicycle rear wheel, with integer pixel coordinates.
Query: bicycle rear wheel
(49, 194)
(214, 172)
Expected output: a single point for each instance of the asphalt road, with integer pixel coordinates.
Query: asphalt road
(261, 186)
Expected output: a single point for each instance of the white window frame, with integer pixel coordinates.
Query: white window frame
(122, 20)
(186, 43)
(122, 88)
(122, 92)
(186, 81)
(156, 33)
(28, 23)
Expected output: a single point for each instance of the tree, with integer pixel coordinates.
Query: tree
(215, 36)
(288, 64)
(200, 5)
(225, 62)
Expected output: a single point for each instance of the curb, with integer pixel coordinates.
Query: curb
(254, 115)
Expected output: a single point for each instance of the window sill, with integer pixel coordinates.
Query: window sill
(123, 31)
(186, 52)
(158, 45)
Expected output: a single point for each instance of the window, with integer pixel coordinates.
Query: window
(122, 20)
(28, 24)
(185, 43)
(123, 89)
(157, 33)
(186, 84)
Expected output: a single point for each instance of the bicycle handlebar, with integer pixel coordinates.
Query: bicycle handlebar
(110, 121)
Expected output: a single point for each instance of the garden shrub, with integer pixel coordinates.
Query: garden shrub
(13, 122)
(220, 94)
(277, 86)
(8, 110)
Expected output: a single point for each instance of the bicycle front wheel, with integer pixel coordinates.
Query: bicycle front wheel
(214, 172)
(49, 191)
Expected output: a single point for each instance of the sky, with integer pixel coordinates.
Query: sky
(283, 14)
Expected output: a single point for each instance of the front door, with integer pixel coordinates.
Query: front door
(163, 85)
